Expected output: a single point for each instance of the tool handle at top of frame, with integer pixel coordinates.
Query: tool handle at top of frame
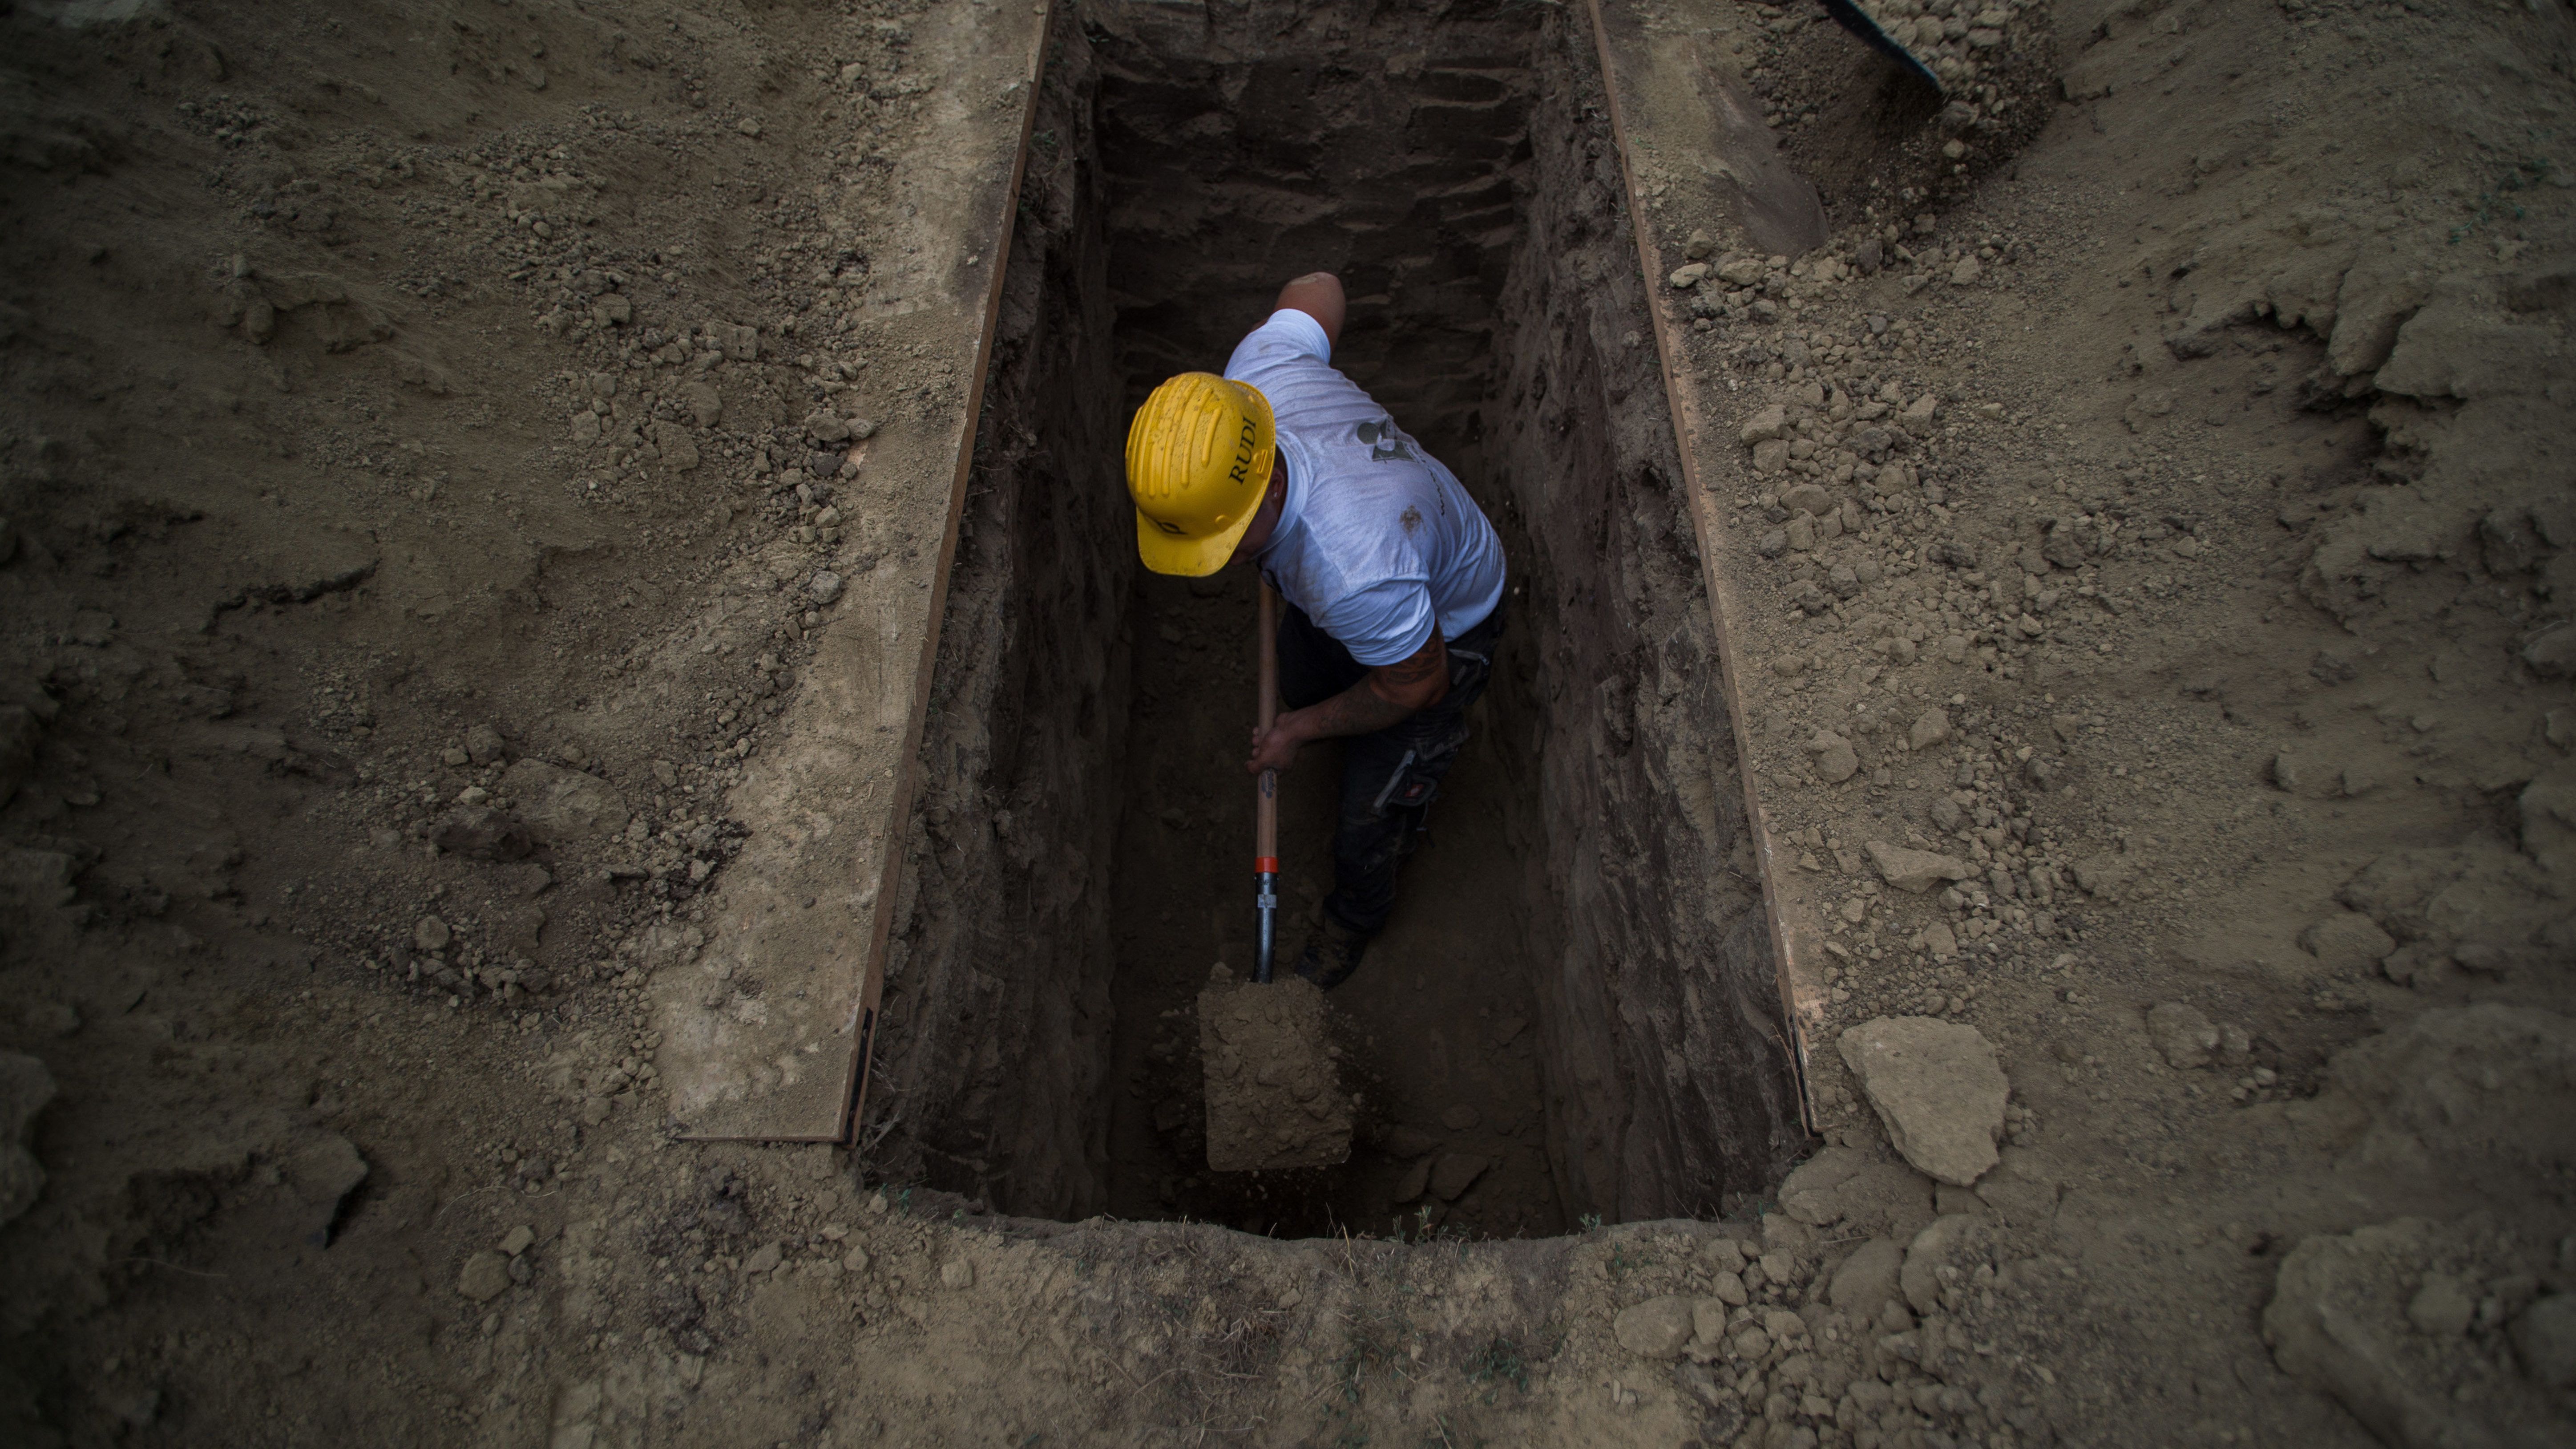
(1265, 799)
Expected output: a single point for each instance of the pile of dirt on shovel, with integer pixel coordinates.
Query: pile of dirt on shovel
(1274, 1094)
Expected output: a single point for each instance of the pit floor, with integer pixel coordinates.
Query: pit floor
(1439, 1027)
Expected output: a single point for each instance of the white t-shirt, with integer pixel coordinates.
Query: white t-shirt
(1376, 540)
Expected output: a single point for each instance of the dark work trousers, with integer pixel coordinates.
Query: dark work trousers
(1388, 778)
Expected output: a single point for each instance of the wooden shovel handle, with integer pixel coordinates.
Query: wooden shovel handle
(1265, 800)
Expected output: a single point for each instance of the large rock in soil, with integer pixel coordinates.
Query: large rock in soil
(2182, 1034)
(1656, 1328)
(1938, 1089)
(1866, 1280)
(563, 806)
(1916, 870)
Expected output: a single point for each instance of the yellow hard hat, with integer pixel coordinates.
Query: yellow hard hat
(1198, 462)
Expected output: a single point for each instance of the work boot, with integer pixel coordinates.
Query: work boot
(1332, 952)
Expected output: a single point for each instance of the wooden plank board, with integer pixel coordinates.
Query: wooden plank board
(1691, 137)
(767, 1016)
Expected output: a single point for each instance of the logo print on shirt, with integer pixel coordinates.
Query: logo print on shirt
(1385, 445)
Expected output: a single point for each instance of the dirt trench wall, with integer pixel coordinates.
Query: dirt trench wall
(1670, 1084)
(997, 1013)
(1470, 197)
(1376, 142)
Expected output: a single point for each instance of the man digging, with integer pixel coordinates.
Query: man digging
(1392, 576)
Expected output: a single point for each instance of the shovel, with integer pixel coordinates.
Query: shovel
(1265, 802)
(1274, 1097)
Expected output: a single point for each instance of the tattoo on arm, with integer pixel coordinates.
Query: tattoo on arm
(1429, 662)
(1365, 707)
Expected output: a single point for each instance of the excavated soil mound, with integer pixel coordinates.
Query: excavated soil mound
(1274, 1096)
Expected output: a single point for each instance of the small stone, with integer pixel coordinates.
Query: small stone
(1455, 1172)
(1930, 729)
(1966, 272)
(520, 1239)
(1740, 271)
(1414, 1183)
(1770, 456)
(1729, 1288)
(1699, 246)
(2551, 653)
(1919, 1279)
(455, 757)
(764, 1259)
(1685, 278)
(2234, 1046)
(1775, 543)
(1708, 1320)
(957, 1273)
(1725, 1255)
(2182, 1034)
(749, 126)
(2544, 1339)
(862, 429)
(1801, 532)
(486, 1276)
(479, 832)
(855, 1261)
(1920, 411)
(824, 587)
(2108, 875)
(2346, 941)
(1938, 1089)
(430, 933)
(1941, 941)
(1916, 871)
(563, 806)
(2285, 771)
(665, 774)
(2442, 1307)
(1836, 760)
(1765, 425)
(1656, 1328)
(1866, 1280)
(1809, 498)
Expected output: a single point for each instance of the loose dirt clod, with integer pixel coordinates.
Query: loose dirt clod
(1274, 1098)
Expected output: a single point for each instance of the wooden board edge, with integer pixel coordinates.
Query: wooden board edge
(865, 1014)
(1710, 531)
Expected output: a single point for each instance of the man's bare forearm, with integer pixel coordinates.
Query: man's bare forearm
(1358, 710)
(1388, 695)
